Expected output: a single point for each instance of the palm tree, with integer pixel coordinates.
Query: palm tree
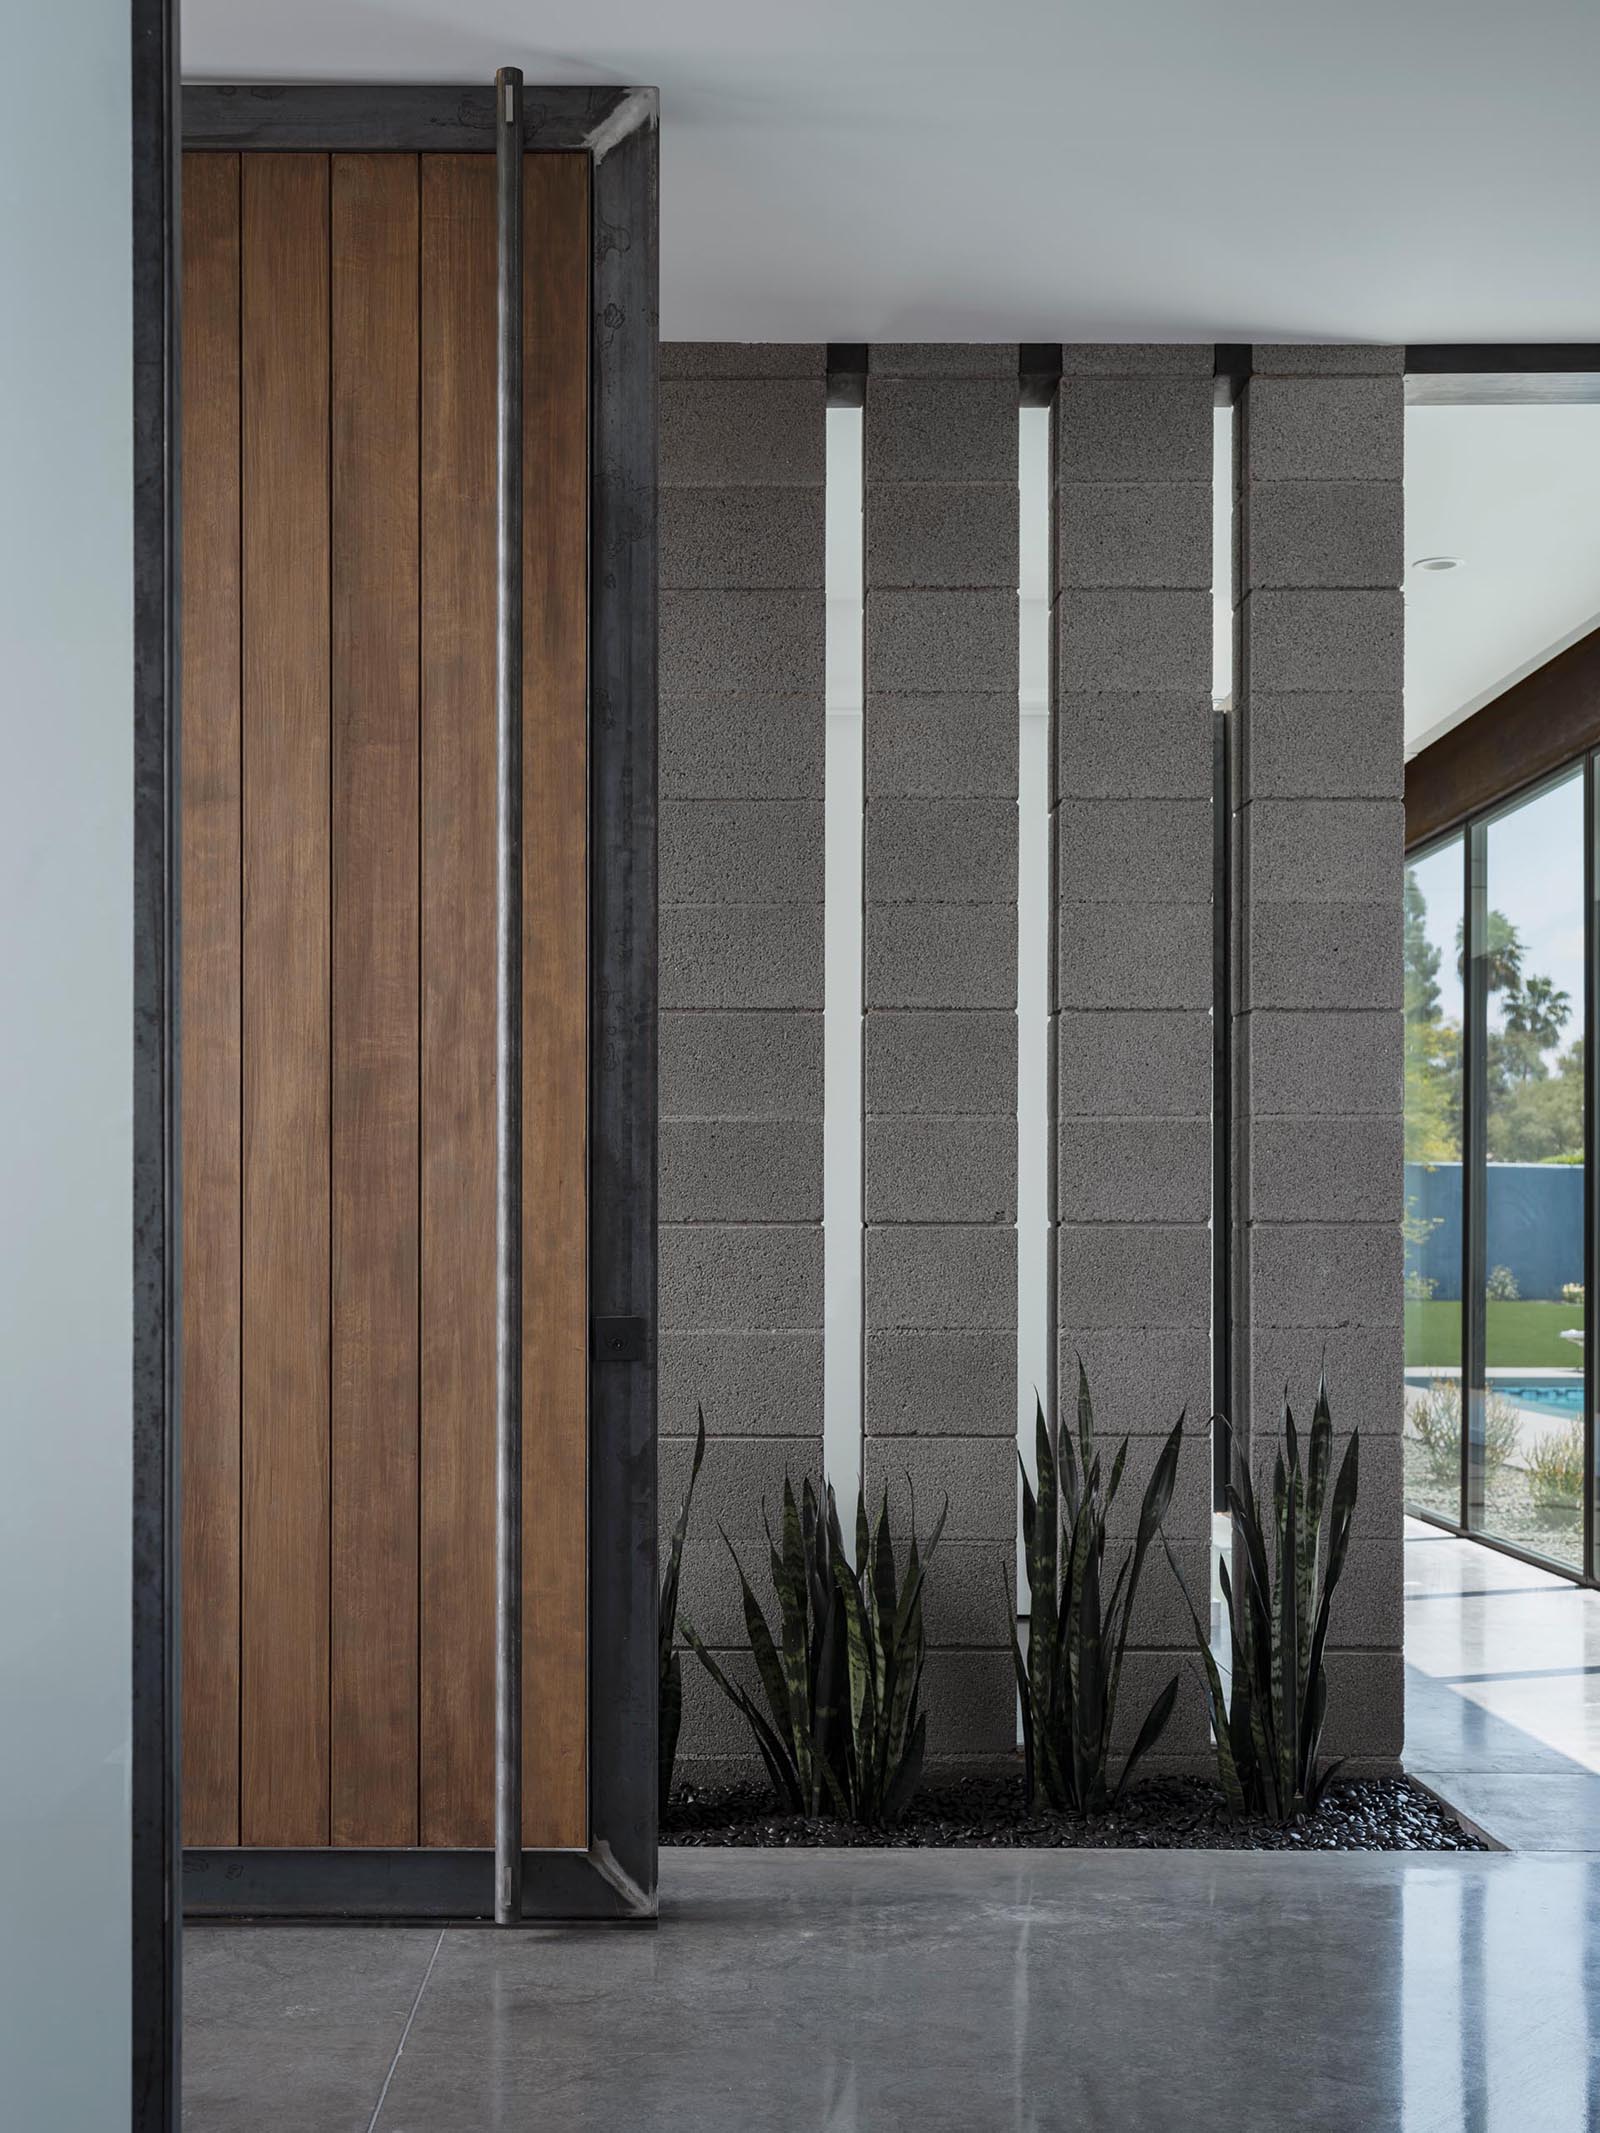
(1500, 953)
(1538, 1010)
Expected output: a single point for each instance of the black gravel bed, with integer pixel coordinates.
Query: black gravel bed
(1161, 1814)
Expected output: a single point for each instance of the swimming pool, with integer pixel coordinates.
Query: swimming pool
(1544, 1396)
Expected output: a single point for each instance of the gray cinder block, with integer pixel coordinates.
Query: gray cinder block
(1136, 359)
(715, 1279)
(1141, 1378)
(1133, 1065)
(1311, 359)
(1133, 1169)
(1187, 1739)
(1325, 851)
(965, 1595)
(740, 1170)
(1148, 534)
(1325, 533)
(1129, 851)
(741, 851)
(1366, 1705)
(1133, 640)
(1324, 640)
(1188, 1519)
(1324, 429)
(1119, 956)
(741, 643)
(730, 433)
(941, 1384)
(1369, 1606)
(715, 747)
(970, 1699)
(926, 533)
(1313, 1273)
(741, 955)
(1134, 429)
(941, 640)
(924, 744)
(945, 955)
(1129, 1275)
(941, 1170)
(740, 539)
(1323, 955)
(1365, 1367)
(931, 1063)
(1335, 1169)
(1117, 745)
(1379, 1519)
(1324, 1063)
(978, 1476)
(743, 359)
(1306, 745)
(748, 1384)
(760, 1065)
(941, 429)
(742, 1478)
(941, 1278)
(946, 851)
(944, 359)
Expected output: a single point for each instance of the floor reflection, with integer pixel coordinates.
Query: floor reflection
(1503, 1691)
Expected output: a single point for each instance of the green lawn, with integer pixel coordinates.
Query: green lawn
(1521, 1336)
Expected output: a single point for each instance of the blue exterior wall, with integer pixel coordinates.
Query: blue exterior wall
(1534, 1215)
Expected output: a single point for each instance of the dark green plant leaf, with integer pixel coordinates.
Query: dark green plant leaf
(670, 1693)
(1155, 1724)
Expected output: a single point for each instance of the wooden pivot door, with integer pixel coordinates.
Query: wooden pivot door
(338, 826)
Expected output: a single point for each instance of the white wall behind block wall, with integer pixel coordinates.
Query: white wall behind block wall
(66, 1020)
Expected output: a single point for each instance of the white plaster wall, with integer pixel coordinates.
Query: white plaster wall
(66, 868)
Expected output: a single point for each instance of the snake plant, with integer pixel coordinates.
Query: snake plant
(1268, 1727)
(1070, 1676)
(671, 1703)
(843, 1732)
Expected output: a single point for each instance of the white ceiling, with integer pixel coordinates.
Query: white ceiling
(1045, 170)
(1514, 494)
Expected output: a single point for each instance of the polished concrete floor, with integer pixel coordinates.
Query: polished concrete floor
(955, 1992)
(1503, 1692)
(1009, 1992)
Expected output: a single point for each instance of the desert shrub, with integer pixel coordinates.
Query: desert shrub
(1433, 1423)
(1554, 1467)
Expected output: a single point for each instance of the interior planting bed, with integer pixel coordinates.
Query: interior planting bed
(1160, 1814)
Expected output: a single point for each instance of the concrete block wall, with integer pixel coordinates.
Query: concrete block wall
(1318, 838)
(741, 783)
(1132, 850)
(940, 1070)
(1316, 1025)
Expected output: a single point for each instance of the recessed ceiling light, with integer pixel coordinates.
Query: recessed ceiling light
(1437, 562)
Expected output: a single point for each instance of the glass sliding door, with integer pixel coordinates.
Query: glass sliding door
(1500, 953)
(1529, 946)
(1502, 960)
(1434, 903)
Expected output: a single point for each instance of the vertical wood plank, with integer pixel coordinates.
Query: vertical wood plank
(376, 971)
(458, 999)
(555, 1002)
(285, 1270)
(210, 1125)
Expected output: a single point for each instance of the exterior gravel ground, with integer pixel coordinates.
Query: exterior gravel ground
(1163, 1814)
